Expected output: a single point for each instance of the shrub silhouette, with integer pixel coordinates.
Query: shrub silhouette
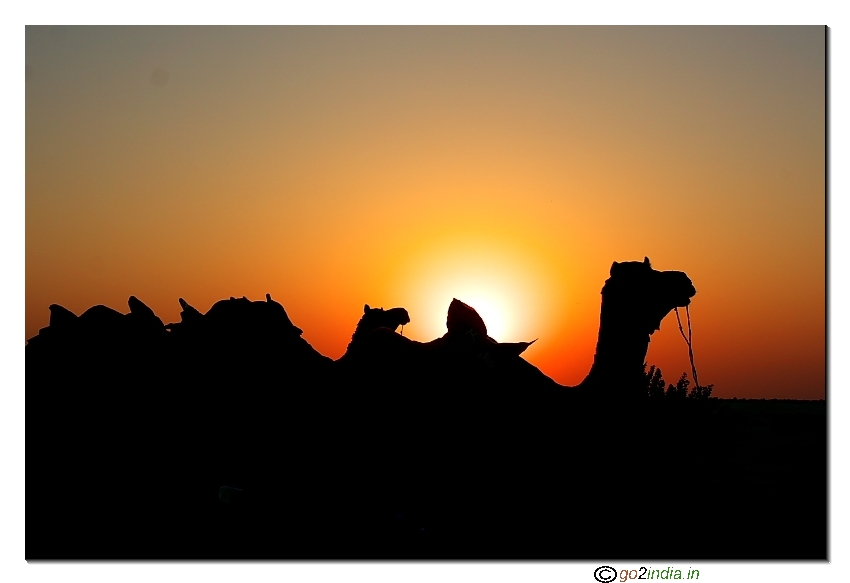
(701, 392)
(680, 389)
(655, 386)
(654, 382)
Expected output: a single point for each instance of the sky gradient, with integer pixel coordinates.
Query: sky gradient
(405, 166)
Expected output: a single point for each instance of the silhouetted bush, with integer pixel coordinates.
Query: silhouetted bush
(680, 389)
(654, 382)
(655, 386)
(701, 392)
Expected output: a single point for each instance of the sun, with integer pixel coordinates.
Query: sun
(503, 288)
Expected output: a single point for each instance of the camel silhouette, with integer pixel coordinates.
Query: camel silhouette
(465, 355)
(226, 435)
(634, 301)
(374, 318)
(375, 326)
(205, 402)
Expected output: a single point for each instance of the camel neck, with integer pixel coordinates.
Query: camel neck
(621, 349)
(618, 348)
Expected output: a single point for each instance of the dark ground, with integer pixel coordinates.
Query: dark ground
(472, 479)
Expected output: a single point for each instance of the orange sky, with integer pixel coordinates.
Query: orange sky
(507, 167)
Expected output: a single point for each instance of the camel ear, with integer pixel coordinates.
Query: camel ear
(614, 267)
(366, 309)
(268, 297)
(646, 262)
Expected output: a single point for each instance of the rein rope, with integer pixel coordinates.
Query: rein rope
(688, 341)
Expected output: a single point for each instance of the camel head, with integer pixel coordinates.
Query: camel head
(374, 318)
(641, 296)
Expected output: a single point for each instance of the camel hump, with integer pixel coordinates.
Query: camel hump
(462, 318)
(60, 316)
(101, 316)
(188, 313)
(276, 309)
(137, 306)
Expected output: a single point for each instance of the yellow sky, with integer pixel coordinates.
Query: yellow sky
(404, 166)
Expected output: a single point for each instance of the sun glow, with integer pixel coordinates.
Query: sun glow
(493, 304)
(502, 285)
